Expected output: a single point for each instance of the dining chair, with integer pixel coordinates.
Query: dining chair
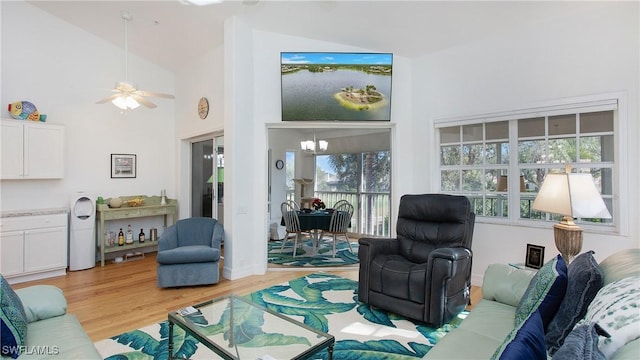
(340, 221)
(292, 224)
(339, 202)
(294, 204)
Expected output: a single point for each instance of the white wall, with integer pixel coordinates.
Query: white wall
(594, 51)
(201, 77)
(64, 70)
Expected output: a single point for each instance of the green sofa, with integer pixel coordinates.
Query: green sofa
(51, 332)
(492, 319)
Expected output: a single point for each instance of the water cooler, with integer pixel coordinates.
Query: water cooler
(82, 223)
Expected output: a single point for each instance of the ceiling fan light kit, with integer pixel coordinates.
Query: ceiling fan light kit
(127, 95)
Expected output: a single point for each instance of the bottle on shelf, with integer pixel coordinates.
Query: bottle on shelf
(129, 238)
(120, 238)
(141, 236)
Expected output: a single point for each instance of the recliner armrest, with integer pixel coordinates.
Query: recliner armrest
(375, 246)
(369, 249)
(448, 273)
(451, 253)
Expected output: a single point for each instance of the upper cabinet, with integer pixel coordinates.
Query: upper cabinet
(32, 150)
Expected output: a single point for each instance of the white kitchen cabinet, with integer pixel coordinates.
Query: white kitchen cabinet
(34, 246)
(32, 150)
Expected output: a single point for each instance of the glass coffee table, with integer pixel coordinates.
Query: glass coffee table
(235, 328)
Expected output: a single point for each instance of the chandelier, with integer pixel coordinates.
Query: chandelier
(313, 146)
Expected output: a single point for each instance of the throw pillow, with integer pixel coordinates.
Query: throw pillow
(615, 309)
(545, 292)
(582, 343)
(525, 342)
(35, 308)
(13, 321)
(584, 281)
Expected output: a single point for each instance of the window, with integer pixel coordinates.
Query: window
(290, 170)
(500, 162)
(363, 179)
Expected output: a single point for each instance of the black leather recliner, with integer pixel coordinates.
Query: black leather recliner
(425, 273)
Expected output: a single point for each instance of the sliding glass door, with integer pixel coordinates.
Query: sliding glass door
(207, 178)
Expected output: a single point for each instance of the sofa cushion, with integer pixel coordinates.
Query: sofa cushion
(525, 341)
(615, 309)
(35, 308)
(188, 254)
(584, 281)
(581, 343)
(60, 337)
(545, 292)
(13, 321)
(481, 332)
(620, 265)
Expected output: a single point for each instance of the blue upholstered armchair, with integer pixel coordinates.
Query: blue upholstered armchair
(189, 253)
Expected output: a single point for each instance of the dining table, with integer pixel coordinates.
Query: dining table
(314, 221)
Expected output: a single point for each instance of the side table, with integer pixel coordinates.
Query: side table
(150, 207)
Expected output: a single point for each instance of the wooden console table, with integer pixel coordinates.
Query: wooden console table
(150, 207)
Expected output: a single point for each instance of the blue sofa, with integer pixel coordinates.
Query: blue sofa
(189, 253)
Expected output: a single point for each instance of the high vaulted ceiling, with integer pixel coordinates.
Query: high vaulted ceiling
(171, 32)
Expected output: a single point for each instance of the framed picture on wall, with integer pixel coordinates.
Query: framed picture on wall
(535, 256)
(123, 166)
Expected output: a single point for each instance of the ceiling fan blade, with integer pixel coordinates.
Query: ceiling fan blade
(107, 99)
(154, 94)
(143, 101)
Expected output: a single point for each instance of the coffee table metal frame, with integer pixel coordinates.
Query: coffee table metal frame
(176, 319)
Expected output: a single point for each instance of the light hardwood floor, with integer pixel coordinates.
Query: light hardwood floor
(121, 297)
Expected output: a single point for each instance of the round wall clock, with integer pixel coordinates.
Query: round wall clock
(279, 164)
(203, 107)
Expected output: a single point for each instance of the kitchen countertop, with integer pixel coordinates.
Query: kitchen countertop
(33, 212)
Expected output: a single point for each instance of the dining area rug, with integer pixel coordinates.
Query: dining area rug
(324, 301)
(306, 257)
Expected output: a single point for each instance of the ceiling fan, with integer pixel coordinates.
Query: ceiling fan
(126, 94)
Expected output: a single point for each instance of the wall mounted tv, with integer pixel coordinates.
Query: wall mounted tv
(326, 86)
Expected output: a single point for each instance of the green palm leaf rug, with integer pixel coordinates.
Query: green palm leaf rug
(305, 256)
(324, 301)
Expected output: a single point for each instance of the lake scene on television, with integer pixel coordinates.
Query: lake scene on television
(336, 86)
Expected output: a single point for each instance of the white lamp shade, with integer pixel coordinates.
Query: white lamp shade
(125, 102)
(572, 195)
(120, 102)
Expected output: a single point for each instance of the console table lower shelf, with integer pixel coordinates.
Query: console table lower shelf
(132, 251)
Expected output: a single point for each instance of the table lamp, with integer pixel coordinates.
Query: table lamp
(572, 196)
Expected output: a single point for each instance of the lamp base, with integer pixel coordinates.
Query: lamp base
(568, 238)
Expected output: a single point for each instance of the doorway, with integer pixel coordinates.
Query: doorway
(207, 178)
(355, 165)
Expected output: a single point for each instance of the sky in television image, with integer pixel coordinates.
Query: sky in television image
(336, 86)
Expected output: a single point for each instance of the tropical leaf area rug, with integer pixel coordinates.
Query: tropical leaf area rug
(306, 257)
(323, 301)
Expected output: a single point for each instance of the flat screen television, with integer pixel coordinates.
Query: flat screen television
(336, 86)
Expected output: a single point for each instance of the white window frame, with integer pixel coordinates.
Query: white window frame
(592, 103)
